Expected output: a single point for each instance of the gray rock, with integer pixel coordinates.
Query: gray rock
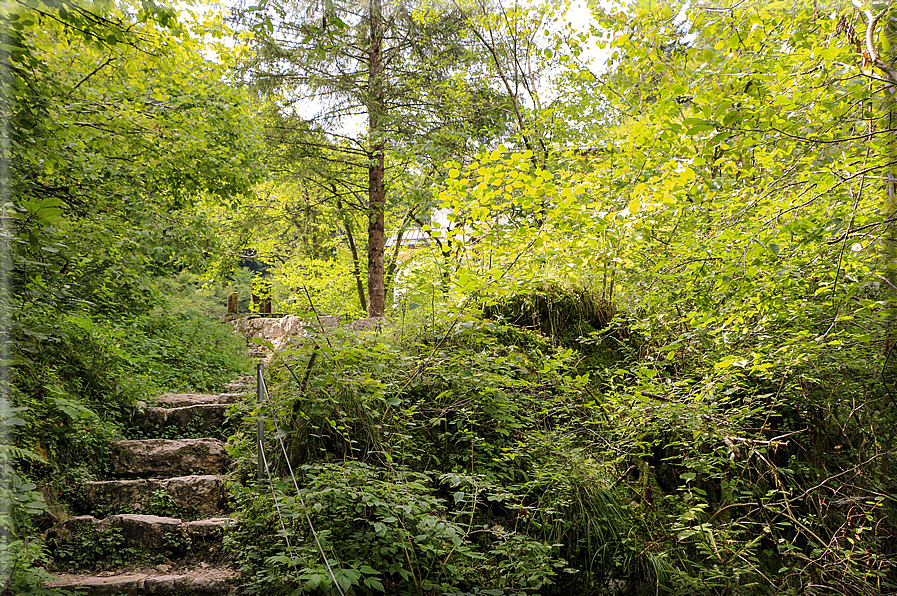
(148, 532)
(208, 527)
(370, 324)
(202, 416)
(280, 330)
(180, 400)
(64, 530)
(168, 456)
(211, 581)
(241, 384)
(202, 493)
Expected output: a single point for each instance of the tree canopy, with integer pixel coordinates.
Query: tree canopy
(109, 136)
(638, 275)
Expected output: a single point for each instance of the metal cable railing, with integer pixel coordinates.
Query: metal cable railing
(283, 526)
(265, 471)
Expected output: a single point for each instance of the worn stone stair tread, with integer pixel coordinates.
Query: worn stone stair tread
(180, 400)
(187, 471)
(209, 526)
(208, 415)
(149, 532)
(211, 580)
(200, 492)
(168, 456)
(241, 384)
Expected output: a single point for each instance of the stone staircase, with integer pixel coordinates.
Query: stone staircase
(156, 526)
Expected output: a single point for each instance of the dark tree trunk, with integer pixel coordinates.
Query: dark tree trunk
(376, 190)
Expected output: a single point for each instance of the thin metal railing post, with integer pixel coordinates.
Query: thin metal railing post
(260, 434)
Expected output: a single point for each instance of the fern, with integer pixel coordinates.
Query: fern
(7, 451)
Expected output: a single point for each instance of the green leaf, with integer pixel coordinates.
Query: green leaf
(374, 584)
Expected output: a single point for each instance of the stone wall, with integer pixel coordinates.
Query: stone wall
(279, 330)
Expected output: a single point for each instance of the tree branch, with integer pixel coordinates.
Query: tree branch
(871, 22)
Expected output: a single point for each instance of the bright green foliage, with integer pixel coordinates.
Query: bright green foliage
(740, 213)
(738, 219)
(708, 407)
(191, 292)
(329, 282)
(109, 142)
(404, 66)
(300, 233)
(84, 380)
(20, 499)
(389, 533)
(438, 507)
(513, 223)
(114, 123)
(78, 391)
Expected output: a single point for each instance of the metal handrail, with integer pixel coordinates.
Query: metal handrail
(261, 396)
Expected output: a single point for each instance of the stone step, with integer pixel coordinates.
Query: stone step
(168, 457)
(210, 528)
(241, 384)
(147, 532)
(150, 533)
(257, 351)
(196, 494)
(211, 580)
(144, 537)
(179, 400)
(199, 417)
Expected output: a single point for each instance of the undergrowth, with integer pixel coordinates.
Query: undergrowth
(75, 384)
(481, 458)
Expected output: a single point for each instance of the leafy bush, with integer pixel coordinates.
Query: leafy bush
(91, 547)
(736, 492)
(189, 292)
(21, 555)
(454, 423)
(560, 311)
(650, 476)
(384, 531)
(327, 282)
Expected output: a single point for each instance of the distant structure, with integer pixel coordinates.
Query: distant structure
(416, 237)
(413, 239)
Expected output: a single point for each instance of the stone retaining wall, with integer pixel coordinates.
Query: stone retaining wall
(279, 330)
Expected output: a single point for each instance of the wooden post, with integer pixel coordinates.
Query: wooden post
(233, 304)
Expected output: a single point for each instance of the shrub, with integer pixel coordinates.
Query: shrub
(382, 531)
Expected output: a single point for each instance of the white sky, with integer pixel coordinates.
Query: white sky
(578, 15)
